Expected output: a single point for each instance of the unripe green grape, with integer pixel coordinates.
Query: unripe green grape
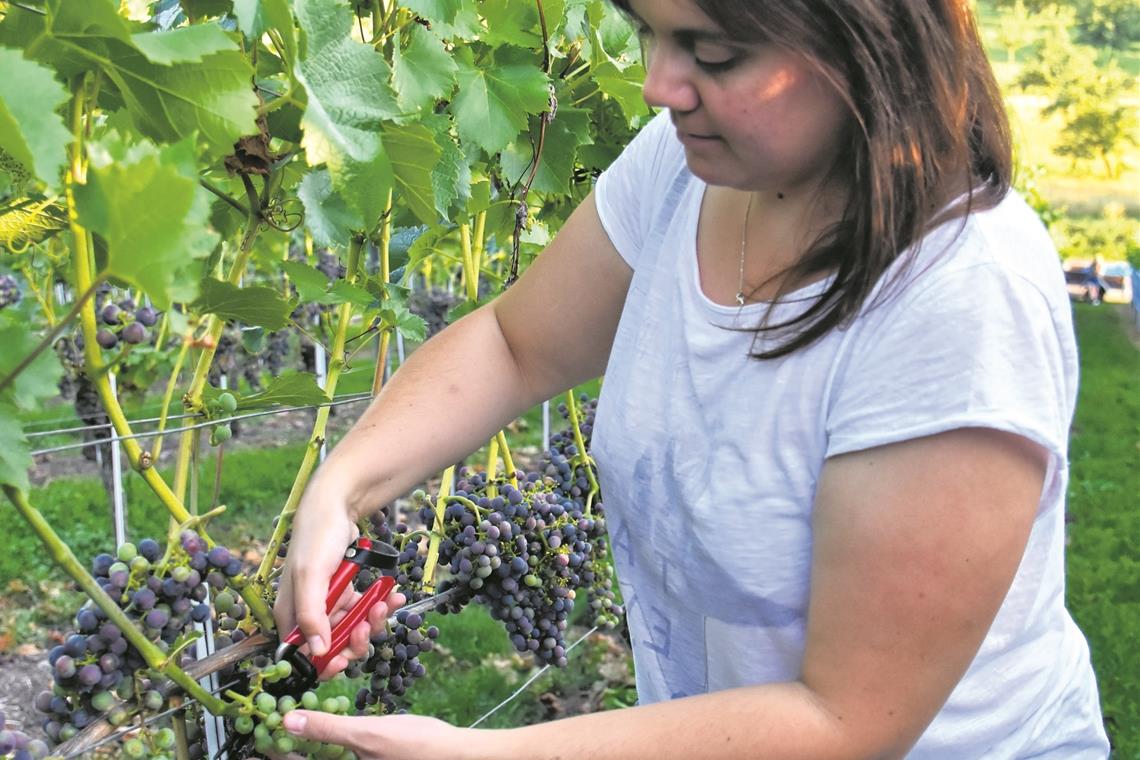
(344, 704)
(220, 434)
(286, 704)
(164, 738)
(284, 744)
(127, 551)
(228, 402)
(243, 724)
(310, 700)
(273, 719)
(132, 747)
(266, 703)
(330, 705)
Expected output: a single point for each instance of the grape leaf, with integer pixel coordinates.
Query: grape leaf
(569, 130)
(423, 71)
(349, 94)
(15, 453)
(512, 23)
(448, 18)
(624, 86)
(37, 382)
(289, 389)
(256, 17)
(414, 154)
(327, 214)
(251, 305)
(30, 128)
(493, 101)
(155, 250)
(314, 287)
(185, 44)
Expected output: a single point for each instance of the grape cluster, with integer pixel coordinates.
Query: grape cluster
(9, 291)
(394, 664)
(432, 305)
(17, 745)
(124, 321)
(257, 726)
(95, 669)
(525, 551)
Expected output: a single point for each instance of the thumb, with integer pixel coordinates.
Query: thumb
(321, 727)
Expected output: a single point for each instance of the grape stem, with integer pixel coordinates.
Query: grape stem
(437, 530)
(582, 457)
(317, 437)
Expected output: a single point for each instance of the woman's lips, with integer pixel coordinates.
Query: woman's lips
(693, 138)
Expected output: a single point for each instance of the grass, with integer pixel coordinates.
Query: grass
(1104, 504)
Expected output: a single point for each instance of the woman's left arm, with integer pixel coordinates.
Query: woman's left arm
(915, 547)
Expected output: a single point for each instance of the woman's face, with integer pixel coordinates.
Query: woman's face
(751, 115)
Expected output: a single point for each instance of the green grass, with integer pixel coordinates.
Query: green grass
(1104, 504)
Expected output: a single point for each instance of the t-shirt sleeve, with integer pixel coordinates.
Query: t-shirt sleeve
(628, 193)
(976, 347)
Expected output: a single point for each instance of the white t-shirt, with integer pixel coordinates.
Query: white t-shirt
(709, 460)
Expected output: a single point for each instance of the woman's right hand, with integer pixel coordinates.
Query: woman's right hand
(322, 529)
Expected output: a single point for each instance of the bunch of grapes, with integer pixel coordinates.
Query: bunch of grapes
(277, 352)
(9, 291)
(124, 321)
(393, 663)
(17, 745)
(258, 725)
(163, 595)
(432, 305)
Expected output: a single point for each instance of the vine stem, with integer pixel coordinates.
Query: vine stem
(317, 438)
(72, 314)
(62, 555)
(508, 462)
(437, 530)
(167, 396)
(385, 275)
(492, 466)
(582, 458)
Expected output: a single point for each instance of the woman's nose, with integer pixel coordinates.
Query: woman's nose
(668, 83)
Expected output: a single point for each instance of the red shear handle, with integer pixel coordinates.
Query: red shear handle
(337, 584)
(376, 593)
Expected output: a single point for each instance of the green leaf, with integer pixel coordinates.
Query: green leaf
(411, 325)
(624, 86)
(511, 22)
(15, 453)
(37, 382)
(289, 389)
(312, 285)
(31, 130)
(256, 17)
(186, 44)
(451, 177)
(569, 130)
(212, 97)
(434, 10)
(423, 71)
(153, 249)
(493, 101)
(327, 215)
(414, 155)
(349, 95)
(448, 18)
(251, 305)
(345, 292)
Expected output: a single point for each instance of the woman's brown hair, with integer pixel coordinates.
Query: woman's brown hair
(927, 125)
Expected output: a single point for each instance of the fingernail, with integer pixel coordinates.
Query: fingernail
(316, 646)
(293, 722)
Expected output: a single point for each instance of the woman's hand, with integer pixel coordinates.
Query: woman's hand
(392, 737)
(322, 529)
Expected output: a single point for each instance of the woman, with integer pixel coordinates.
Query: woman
(840, 371)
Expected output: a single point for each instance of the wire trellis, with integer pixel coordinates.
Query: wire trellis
(155, 433)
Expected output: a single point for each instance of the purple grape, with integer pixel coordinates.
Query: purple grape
(150, 549)
(134, 333)
(76, 645)
(144, 598)
(220, 556)
(147, 316)
(86, 620)
(106, 338)
(110, 315)
(90, 674)
(157, 618)
(65, 667)
(101, 565)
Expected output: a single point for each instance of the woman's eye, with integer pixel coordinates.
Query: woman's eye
(715, 67)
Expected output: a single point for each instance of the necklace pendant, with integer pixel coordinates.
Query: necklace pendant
(740, 298)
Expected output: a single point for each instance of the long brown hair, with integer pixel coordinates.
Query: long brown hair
(926, 118)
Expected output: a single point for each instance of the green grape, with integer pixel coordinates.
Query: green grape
(153, 700)
(127, 552)
(260, 732)
(284, 668)
(224, 602)
(266, 703)
(243, 724)
(284, 744)
(286, 704)
(102, 701)
(310, 700)
(263, 744)
(344, 704)
(134, 748)
(227, 402)
(164, 738)
(330, 705)
(220, 434)
(273, 719)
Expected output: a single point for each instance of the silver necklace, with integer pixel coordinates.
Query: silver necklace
(743, 248)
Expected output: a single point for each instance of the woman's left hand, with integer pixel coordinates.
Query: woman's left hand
(391, 737)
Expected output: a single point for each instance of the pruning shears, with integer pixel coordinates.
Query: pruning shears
(363, 552)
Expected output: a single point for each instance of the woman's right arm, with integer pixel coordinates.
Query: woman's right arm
(550, 331)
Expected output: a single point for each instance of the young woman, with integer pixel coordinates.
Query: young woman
(840, 371)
